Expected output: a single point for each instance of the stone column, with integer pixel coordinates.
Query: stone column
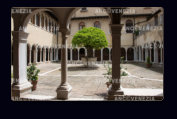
(146, 53)
(134, 54)
(57, 54)
(20, 85)
(155, 54)
(126, 54)
(115, 88)
(139, 54)
(161, 56)
(48, 54)
(142, 55)
(64, 89)
(109, 54)
(40, 25)
(150, 54)
(44, 54)
(51, 55)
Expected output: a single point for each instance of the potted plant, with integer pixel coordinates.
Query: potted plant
(32, 74)
(148, 62)
(108, 75)
(90, 38)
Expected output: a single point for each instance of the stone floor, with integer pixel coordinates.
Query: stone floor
(90, 83)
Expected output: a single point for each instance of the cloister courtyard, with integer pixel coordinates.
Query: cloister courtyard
(62, 41)
(90, 83)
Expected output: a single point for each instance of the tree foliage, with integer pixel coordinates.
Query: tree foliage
(90, 37)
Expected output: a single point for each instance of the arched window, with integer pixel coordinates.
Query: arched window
(97, 24)
(129, 26)
(50, 25)
(38, 20)
(81, 25)
(42, 21)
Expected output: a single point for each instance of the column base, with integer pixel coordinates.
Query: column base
(63, 91)
(113, 93)
(20, 89)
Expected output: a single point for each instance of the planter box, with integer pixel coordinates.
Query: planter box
(91, 61)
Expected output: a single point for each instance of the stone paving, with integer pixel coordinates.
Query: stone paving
(90, 83)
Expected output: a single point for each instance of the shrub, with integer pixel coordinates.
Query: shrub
(32, 73)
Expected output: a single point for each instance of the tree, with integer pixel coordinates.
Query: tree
(90, 38)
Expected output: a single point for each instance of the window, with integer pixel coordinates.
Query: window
(129, 26)
(97, 24)
(49, 25)
(156, 20)
(83, 9)
(38, 20)
(81, 25)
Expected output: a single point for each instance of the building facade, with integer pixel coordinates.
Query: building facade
(141, 35)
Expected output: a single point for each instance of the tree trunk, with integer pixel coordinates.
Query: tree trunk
(89, 53)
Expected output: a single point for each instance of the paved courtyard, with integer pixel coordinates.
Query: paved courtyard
(90, 83)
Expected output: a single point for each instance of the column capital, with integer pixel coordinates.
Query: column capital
(116, 28)
(20, 36)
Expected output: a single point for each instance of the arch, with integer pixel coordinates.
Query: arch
(129, 26)
(28, 53)
(38, 19)
(69, 54)
(97, 24)
(130, 54)
(33, 53)
(36, 11)
(141, 51)
(152, 52)
(123, 53)
(47, 52)
(53, 53)
(81, 25)
(42, 21)
(75, 54)
(144, 59)
(158, 50)
(38, 54)
(81, 53)
(98, 55)
(105, 54)
(59, 54)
